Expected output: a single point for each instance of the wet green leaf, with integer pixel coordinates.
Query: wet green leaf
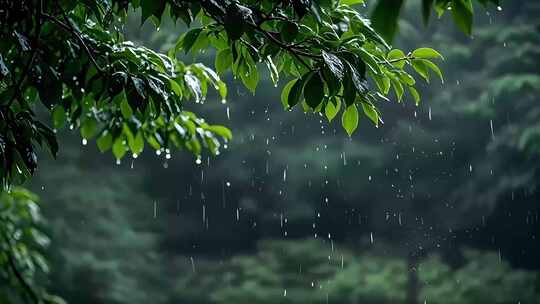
(349, 119)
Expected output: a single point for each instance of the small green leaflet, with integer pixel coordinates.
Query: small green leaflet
(314, 91)
(59, 117)
(125, 108)
(349, 119)
(427, 53)
(332, 108)
(104, 142)
(462, 13)
(223, 60)
(88, 128)
(285, 93)
(221, 131)
(119, 148)
(351, 2)
(371, 112)
(396, 57)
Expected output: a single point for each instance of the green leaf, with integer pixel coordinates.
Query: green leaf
(385, 18)
(351, 2)
(316, 11)
(349, 90)
(222, 89)
(250, 79)
(314, 91)
(396, 54)
(289, 31)
(332, 108)
(370, 61)
(349, 119)
(221, 131)
(359, 82)
(398, 89)
(223, 60)
(139, 85)
(427, 53)
(136, 144)
(194, 85)
(415, 95)
(188, 40)
(420, 68)
(175, 87)
(59, 117)
(406, 78)
(285, 93)
(334, 64)
(50, 88)
(371, 112)
(383, 83)
(434, 68)
(119, 149)
(462, 13)
(104, 142)
(296, 91)
(125, 108)
(88, 128)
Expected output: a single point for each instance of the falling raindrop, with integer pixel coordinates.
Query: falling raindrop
(491, 126)
(192, 264)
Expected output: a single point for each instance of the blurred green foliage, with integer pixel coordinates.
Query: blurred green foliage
(312, 271)
(22, 264)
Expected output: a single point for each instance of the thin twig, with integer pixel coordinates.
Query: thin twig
(295, 52)
(397, 60)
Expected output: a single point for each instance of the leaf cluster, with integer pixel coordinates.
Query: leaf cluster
(70, 59)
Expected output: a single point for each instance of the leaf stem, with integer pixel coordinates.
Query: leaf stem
(408, 57)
